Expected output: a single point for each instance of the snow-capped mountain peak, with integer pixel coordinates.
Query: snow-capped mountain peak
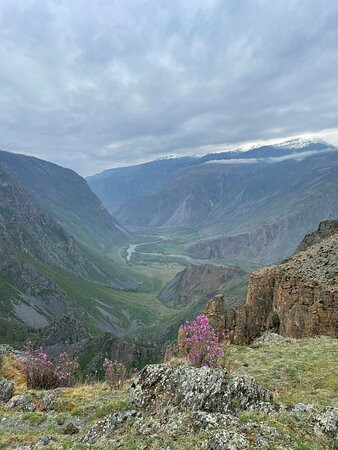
(301, 142)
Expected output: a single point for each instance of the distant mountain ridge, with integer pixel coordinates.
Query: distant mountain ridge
(116, 186)
(254, 205)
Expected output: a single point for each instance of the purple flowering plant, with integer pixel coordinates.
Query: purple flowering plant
(42, 372)
(202, 343)
(114, 372)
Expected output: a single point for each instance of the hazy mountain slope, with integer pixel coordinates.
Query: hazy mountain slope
(66, 197)
(25, 228)
(268, 227)
(115, 186)
(197, 284)
(257, 211)
(189, 197)
(209, 191)
(41, 265)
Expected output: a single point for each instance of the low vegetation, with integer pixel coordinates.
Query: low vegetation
(296, 371)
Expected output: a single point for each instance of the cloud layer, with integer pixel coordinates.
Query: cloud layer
(97, 84)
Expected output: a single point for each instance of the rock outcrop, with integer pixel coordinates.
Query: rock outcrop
(202, 389)
(326, 228)
(295, 299)
(198, 283)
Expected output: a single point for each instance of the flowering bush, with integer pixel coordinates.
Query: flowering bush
(202, 343)
(115, 373)
(41, 372)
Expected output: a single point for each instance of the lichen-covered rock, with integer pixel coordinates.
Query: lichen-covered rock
(6, 390)
(204, 389)
(107, 425)
(167, 421)
(209, 421)
(227, 440)
(327, 422)
(21, 403)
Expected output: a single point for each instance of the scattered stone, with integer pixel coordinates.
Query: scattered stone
(107, 425)
(9, 422)
(271, 430)
(261, 442)
(302, 408)
(227, 440)
(21, 403)
(44, 440)
(327, 422)
(268, 338)
(6, 390)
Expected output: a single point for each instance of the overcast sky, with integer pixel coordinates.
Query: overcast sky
(93, 84)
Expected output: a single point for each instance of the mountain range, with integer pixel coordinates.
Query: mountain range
(73, 276)
(55, 236)
(253, 205)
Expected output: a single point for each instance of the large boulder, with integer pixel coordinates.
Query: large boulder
(203, 389)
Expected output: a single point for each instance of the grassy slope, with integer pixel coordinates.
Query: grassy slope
(302, 371)
(156, 321)
(299, 371)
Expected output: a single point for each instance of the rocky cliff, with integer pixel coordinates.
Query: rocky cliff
(296, 299)
(198, 283)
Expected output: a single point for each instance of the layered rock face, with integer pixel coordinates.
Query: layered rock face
(199, 283)
(297, 299)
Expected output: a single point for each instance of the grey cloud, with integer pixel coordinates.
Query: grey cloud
(271, 159)
(97, 84)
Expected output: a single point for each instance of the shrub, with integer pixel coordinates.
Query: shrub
(41, 372)
(202, 343)
(114, 372)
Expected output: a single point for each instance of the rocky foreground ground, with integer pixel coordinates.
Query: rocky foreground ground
(279, 395)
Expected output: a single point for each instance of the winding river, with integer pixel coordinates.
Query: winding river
(133, 248)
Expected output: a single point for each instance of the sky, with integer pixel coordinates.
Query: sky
(94, 84)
